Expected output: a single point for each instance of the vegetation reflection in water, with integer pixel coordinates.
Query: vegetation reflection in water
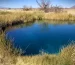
(42, 36)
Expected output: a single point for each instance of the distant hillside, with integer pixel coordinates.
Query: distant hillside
(73, 7)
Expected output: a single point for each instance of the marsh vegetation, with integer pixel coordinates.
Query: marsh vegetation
(8, 18)
(12, 56)
(66, 56)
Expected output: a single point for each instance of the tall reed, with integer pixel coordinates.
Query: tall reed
(66, 56)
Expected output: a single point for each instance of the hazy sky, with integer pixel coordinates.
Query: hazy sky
(21, 3)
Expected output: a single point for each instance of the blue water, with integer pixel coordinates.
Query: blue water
(42, 36)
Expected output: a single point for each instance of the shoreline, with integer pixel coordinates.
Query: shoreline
(12, 56)
(12, 18)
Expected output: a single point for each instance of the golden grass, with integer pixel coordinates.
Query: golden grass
(10, 56)
(9, 17)
(6, 58)
(60, 16)
(70, 11)
(65, 57)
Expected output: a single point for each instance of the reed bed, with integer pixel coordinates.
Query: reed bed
(10, 17)
(66, 56)
(11, 56)
(59, 16)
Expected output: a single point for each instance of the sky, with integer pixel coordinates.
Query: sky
(32, 3)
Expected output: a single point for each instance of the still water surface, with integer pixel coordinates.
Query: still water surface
(42, 36)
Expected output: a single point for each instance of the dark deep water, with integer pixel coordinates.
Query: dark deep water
(42, 36)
